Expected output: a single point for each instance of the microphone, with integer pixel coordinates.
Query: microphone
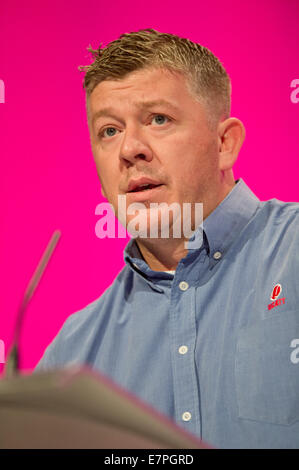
(13, 360)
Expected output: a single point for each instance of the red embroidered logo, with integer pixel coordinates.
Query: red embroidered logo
(276, 292)
(277, 289)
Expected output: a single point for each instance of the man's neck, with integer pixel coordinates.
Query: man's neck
(165, 254)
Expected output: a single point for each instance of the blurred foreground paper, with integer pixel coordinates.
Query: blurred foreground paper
(78, 408)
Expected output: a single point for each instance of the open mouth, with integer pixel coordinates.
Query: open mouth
(145, 187)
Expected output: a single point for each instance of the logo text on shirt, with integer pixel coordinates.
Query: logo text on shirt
(276, 291)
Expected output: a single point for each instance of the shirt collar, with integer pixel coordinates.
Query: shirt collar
(227, 220)
(220, 229)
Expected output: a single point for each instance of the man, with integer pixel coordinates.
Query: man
(207, 333)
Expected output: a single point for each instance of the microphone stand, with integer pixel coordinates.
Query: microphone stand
(13, 361)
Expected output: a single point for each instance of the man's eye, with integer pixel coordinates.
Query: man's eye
(110, 132)
(160, 118)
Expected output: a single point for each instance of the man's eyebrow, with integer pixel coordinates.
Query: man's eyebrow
(109, 112)
(161, 102)
(104, 112)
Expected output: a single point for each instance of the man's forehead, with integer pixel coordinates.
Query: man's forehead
(103, 98)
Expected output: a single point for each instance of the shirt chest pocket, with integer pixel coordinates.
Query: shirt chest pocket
(267, 370)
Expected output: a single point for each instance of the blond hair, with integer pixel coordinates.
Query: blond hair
(207, 79)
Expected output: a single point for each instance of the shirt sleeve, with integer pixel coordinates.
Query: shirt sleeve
(48, 360)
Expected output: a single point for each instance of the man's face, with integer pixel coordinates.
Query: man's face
(152, 127)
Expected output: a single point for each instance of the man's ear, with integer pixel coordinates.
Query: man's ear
(231, 135)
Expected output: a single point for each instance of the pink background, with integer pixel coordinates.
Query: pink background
(48, 178)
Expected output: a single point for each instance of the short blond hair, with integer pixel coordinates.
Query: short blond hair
(206, 77)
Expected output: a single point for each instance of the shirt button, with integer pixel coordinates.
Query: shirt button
(186, 416)
(183, 349)
(183, 285)
(217, 255)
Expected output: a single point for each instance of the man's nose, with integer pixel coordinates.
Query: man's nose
(134, 146)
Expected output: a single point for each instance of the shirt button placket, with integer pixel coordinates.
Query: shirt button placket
(183, 332)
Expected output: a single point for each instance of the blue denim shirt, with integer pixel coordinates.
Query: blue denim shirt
(215, 346)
